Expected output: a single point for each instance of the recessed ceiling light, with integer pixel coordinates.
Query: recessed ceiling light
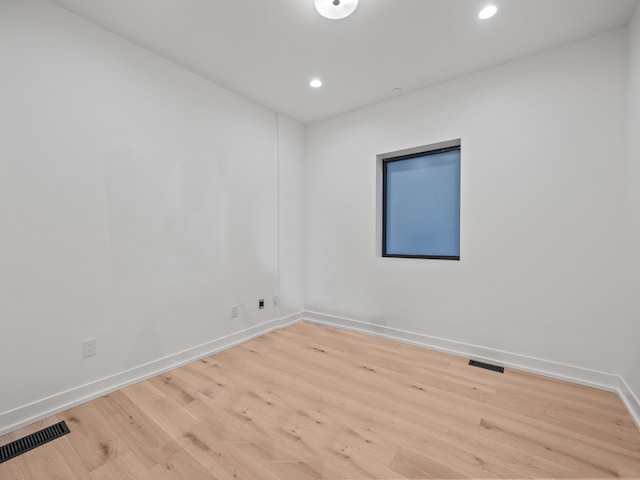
(336, 9)
(487, 12)
(315, 83)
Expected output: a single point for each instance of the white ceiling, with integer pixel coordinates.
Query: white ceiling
(268, 50)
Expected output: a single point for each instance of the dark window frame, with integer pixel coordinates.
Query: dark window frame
(385, 162)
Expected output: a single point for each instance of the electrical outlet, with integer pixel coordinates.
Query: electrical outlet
(261, 303)
(234, 311)
(89, 348)
(275, 300)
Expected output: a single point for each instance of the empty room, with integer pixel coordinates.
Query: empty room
(319, 239)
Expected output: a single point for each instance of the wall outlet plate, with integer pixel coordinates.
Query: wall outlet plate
(89, 348)
(261, 303)
(234, 311)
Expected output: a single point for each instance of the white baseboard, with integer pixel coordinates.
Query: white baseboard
(284, 322)
(630, 400)
(27, 414)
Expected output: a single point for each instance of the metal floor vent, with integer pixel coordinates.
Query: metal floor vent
(487, 366)
(24, 444)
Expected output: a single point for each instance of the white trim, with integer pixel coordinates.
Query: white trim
(278, 293)
(630, 400)
(40, 409)
(456, 142)
(561, 371)
(290, 319)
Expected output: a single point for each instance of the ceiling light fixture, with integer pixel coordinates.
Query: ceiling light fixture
(336, 9)
(315, 83)
(487, 12)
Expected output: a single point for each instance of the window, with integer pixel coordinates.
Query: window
(421, 203)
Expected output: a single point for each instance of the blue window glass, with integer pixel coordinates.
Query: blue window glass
(422, 205)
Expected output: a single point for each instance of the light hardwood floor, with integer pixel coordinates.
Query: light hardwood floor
(310, 402)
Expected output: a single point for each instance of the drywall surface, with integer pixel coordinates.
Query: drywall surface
(632, 337)
(138, 202)
(291, 216)
(543, 182)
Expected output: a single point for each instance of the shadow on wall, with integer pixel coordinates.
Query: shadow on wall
(181, 249)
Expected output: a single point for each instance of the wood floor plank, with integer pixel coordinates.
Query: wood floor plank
(411, 464)
(182, 466)
(557, 451)
(95, 439)
(124, 467)
(315, 403)
(142, 435)
(14, 470)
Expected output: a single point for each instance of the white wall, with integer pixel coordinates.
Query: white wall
(543, 181)
(291, 216)
(632, 368)
(138, 202)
